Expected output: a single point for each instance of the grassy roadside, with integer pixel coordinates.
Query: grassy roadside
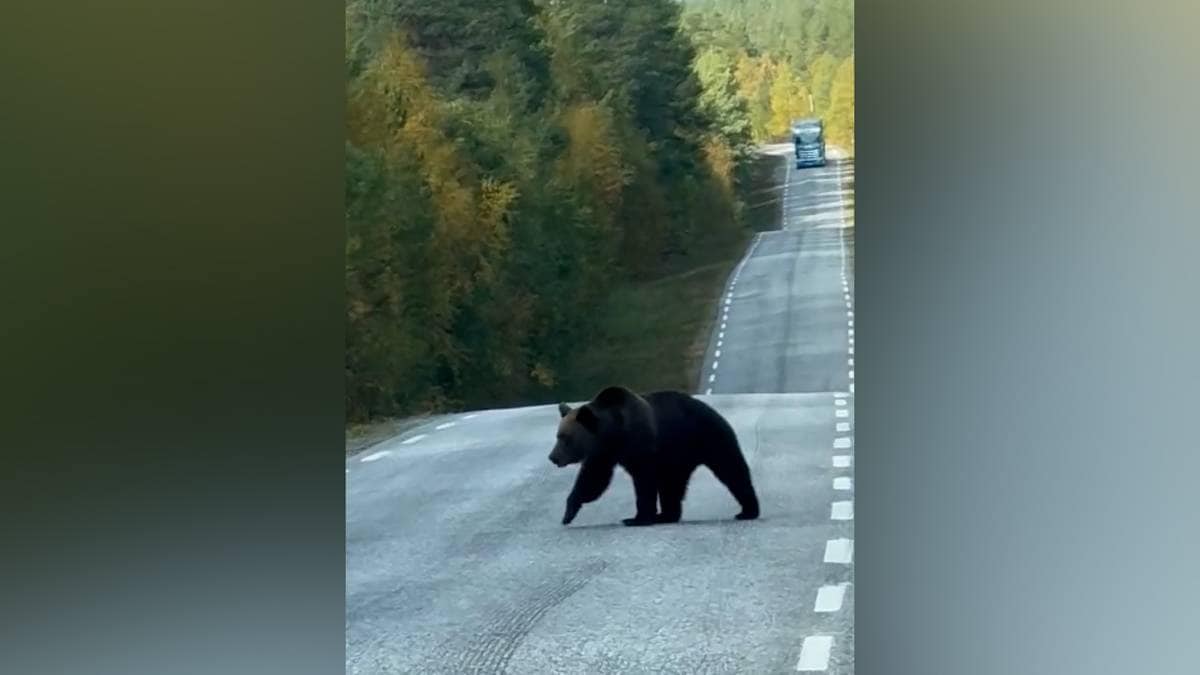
(656, 332)
(763, 193)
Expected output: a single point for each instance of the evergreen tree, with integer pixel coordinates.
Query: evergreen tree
(808, 38)
(506, 165)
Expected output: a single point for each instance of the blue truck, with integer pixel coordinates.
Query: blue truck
(808, 135)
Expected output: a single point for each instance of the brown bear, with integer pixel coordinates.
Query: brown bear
(659, 439)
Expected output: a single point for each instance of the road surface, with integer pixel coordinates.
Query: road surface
(790, 301)
(456, 562)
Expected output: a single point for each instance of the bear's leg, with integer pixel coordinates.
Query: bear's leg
(646, 489)
(733, 472)
(671, 493)
(593, 479)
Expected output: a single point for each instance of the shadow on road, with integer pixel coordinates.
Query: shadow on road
(709, 521)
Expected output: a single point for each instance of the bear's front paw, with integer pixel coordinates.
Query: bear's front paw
(638, 521)
(569, 515)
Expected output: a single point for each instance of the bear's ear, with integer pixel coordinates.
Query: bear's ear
(587, 417)
(612, 397)
(563, 409)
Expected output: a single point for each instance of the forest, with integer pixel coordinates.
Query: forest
(513, 166)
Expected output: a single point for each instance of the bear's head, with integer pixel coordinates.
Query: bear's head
(578, 435)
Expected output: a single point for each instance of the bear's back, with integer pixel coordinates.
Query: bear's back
(688, 425)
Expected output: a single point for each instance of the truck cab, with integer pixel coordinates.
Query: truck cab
(808, 136)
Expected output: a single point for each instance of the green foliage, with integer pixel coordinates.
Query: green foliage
(508, 165)
(512, 165)
(784, 51)
(841, 105)
(721, 101)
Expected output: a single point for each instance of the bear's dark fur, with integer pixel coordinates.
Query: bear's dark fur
(659, 439)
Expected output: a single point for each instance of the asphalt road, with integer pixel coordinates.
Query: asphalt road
(784, 311)
(456, 561)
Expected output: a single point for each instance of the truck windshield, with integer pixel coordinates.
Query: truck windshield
(808, 135)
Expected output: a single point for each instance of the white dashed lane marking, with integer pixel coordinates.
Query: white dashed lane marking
(814, 654)
(841, 511)
(829, 598)
(442, 426)
(839, 551)
(816, 649)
